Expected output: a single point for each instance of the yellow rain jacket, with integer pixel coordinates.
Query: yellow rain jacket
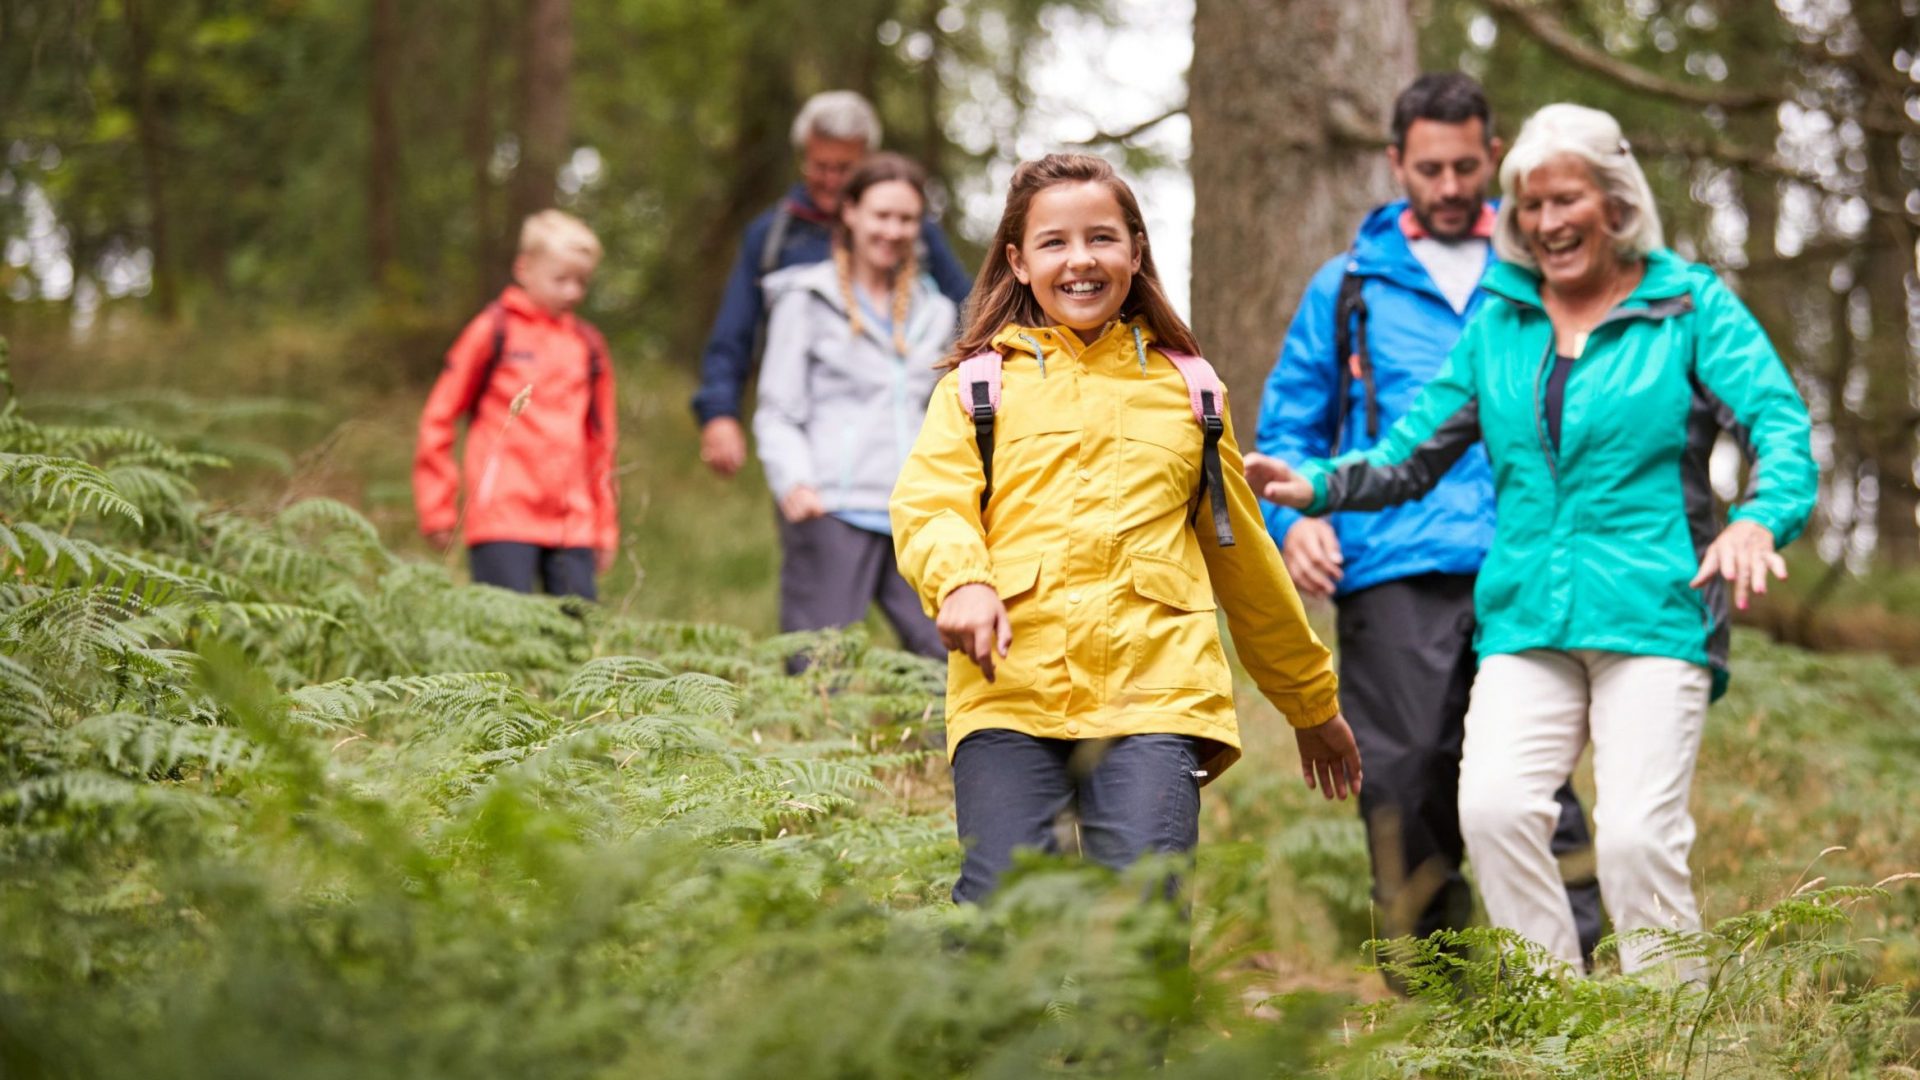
(1111, 593)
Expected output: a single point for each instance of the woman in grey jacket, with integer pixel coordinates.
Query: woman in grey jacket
(849, 365)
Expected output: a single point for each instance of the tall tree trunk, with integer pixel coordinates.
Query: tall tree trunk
(756, 169)
(490, 271)
(546, 62)
(1290, 104)
(146, 111)
(1893, 422)
(383, 140)
(933, 138)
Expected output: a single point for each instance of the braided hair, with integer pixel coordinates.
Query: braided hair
(878, 169)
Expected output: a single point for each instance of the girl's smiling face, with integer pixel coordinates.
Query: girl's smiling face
(1077, 256)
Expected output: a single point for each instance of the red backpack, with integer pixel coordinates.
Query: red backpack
(979, 387)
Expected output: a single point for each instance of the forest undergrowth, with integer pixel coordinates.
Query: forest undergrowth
(276, 800)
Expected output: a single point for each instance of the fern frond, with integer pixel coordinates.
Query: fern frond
(65, 483)
(630, 684)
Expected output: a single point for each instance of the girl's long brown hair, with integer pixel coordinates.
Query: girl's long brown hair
(879, 169)
(999, 298)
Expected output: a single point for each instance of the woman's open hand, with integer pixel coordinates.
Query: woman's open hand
(1273, 481)
(1329, 758)
(974, 621)
(1743, 554)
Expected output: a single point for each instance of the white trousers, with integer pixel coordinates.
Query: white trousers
(1531, 715)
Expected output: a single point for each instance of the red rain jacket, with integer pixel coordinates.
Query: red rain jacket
(544, 477)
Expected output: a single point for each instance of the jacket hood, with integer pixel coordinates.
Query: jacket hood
(517, 300)
(1380, 249)
(1667, 276)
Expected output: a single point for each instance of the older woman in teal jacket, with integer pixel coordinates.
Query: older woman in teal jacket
(1598, 380)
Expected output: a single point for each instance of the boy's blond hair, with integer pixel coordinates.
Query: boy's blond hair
(557, 232)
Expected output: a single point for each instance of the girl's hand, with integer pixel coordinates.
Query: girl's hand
(1742, 553)
(1274, 482)
(603, 559)
(1329, 758)
(801, 504)
(974, 621)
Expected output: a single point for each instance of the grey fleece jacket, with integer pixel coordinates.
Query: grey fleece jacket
(838, 412)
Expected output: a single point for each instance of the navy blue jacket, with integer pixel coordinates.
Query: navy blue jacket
(729, 358)
(1410, 330)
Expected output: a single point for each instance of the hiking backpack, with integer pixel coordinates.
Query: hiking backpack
(589, 334)
(979, 387)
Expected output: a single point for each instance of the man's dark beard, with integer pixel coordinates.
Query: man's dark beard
(1472, 208)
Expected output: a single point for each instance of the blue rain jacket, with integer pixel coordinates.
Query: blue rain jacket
(1410, 329)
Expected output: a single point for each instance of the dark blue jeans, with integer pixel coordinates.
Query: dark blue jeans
(1135, 795)
(561, 571)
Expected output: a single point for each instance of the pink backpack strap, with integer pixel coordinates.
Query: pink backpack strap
(1209, 398)
(979, 387)
(980, 370)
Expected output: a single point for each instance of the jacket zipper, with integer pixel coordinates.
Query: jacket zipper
(1618, 314)
(1540, 407)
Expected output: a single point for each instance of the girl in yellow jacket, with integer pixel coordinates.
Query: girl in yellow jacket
(1079, 597)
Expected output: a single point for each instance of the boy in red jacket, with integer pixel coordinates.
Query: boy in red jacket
(535, 387)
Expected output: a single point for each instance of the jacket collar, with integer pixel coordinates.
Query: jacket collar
(1044, 342)
(1411, 228)
(1665, 280)
(515, 299)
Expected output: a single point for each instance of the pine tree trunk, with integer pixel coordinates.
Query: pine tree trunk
(759, 166)
(1893, 422)
(146, 110)
(1887, 32)
(490, 271)
(1290, 104)
(383, 139)
(546, 63)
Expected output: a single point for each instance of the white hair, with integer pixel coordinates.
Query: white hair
(1594, 137)
(837, 114)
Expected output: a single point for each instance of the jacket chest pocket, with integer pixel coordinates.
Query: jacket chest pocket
(1162, 459)
(1036, 637)
(1176, 638)
(1032, 442)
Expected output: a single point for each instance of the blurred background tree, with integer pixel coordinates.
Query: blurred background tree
(367, 160)
(302, 155)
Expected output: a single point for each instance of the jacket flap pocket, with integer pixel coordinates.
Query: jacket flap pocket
(1170, 583)
(1011, 577)
(1179, 434)
(1019, 423)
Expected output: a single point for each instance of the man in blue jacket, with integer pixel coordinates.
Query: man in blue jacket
(833, 132)
(1374, 326)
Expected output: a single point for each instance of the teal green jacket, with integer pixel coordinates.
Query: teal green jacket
(1596, 543)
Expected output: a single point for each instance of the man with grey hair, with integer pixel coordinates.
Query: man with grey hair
(832, 133)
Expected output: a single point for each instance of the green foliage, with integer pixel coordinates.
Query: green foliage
(270, 792)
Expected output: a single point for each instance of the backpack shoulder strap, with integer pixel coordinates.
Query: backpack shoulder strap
(596, 343)
(1207, 396)
(776, 238)
(1352, 358)
(979, 387)
(494, 354)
